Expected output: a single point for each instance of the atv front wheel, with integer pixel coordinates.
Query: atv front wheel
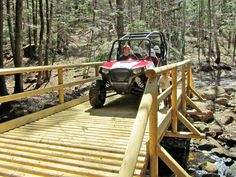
(97, 94)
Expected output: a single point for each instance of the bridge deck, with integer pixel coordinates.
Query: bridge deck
(79, 141)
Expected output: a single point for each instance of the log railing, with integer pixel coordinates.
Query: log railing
(60, 87)
(149, 108)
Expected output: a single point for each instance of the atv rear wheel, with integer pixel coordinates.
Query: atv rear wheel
(97, 94)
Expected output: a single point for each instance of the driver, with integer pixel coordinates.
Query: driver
(126, 53)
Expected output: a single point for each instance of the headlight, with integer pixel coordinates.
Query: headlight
(137, 70)
(105, 71)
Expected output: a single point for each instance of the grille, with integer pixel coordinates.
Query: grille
(120, 75)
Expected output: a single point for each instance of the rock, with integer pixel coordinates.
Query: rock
(208, 144)
(212, 92)
(229, 133)
(230, 89)
(209, 167)
(228, 161)
(220, 151)
(210, 175)
(207, 108)
(201, 126)
(215, 128)
(224, 118)
(222, 101)
(231, 171)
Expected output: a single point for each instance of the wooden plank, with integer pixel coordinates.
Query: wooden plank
(6, 126)
(174, 100)
(192, 104)
(158, 70)
(197, 94)
(153, 122)
(60, 82)
(19, 146)
(8, 71)
(184, 135)
(164, 94)
(187, 124)
(41, 91)
(183, 86)
(163, 125)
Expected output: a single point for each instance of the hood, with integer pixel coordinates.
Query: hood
(129, 64)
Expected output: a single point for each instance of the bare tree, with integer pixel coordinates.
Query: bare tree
(120, 18)
(3, 87)
(18, 46)
(40, 55)
(10, 27)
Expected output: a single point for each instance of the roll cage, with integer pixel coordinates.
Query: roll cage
(142, 36)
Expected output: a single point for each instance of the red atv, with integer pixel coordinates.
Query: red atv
(126, 75)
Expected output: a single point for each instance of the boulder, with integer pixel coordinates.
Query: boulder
(208, 144)
(222, 152)
(209, 167)
(212, 92)
(210, 175)
(224, 118)
(231, 171)
(222, 101)
(215, 128)
(229, 133)
(201, 126)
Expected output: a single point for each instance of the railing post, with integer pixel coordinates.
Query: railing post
(174, 100)
(96, 70)
(60, 81)
(190, 79)
(153, 123)
(183, 98)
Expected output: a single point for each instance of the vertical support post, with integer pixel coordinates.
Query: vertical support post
(189, 80)
(183, 98)
(96, 70)
(60, 81)
(174, 100)
(153, 123)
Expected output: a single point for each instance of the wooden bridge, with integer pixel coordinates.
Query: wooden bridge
(72, 139)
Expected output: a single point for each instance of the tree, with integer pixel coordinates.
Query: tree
(3, 87)
(120, 18)
(183, 32)
(49, 11)
(18, 46)
(10, 27)
(40, 55)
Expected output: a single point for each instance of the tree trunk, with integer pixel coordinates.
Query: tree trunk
(142, 10)
(10, 27)
(183, 32)
(40, 56)
(3, 87)
(209, 31)
(49, 11)
(18, 46)
(35, 22)
(160, 16)
(110, 4)
(120, 18)
(217, 47)
(234, 62)
(29, 30)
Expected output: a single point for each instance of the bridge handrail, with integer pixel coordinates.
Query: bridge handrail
(60, 87)
(149, 109)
